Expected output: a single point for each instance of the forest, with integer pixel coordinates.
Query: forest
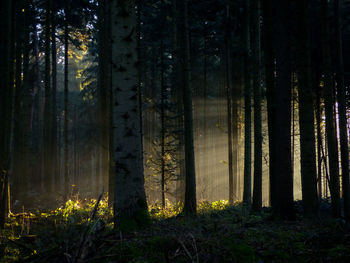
(174, 131)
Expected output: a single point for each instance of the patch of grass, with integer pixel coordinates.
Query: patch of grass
(219, 233)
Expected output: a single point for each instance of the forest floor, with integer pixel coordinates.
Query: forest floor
(220, 233)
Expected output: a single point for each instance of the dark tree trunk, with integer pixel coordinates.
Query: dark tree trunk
(228, 81)
(281, 129)
(177, 80)
(319, 135)
(306, 113)
(66, 116)
(255, 37)
(27, 104)
(47, 149)
(329, 110)
(54, 154)
(18, 130)
(247, 193)
(6, 82)
(104, 79)
(162, 104)
(190, 205)
(270, 90)
(344, 140)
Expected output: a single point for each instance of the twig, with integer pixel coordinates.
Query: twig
(194, 246)
(85, 235)
(186, 250)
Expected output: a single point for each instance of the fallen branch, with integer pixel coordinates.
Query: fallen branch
(85, 234)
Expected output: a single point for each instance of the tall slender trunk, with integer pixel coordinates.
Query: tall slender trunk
(236, 193)
(36, 115)
(247, 193)
(6, 80)
(111, 164)
(28, 83)
(47, 105)
(17, 185)
(255, 36)
(205, 102)
(281, 129)
(329, 104)
(344, 140)
(319, 140)
(306, 112)
(228, 81)
(177, 80)
(66, 116)
(75, 175)
(104, 82)
(54, 153)
(269, 64)
(190, 206)
(162, 104)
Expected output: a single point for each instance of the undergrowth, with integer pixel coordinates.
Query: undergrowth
(219, 233)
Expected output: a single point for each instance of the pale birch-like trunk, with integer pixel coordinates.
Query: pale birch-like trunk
(130, 198)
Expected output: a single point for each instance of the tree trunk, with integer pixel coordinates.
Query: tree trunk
(190, 205)
(47, 105)
(247, 193)
(17, 184)
(329, 103)
(177, 80)
(130, 205)
(162, 103)
(269, 64)
(104, 79)
(54, 153)
(6, 82)
(228, 77)
(281, 129)
(66, 91)
(306, 113)
(27, 104)
(319, 137)
(255, 37)
(344, 148)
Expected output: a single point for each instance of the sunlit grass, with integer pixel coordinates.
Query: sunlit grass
(220, 229)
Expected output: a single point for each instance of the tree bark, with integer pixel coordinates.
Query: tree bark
(6, 82)
(269, 64)
(329, 104)
(17, 184)
(54, 153)
(255, 36)
(130, 203)
(228, 81)
(341, 96)
(247, 193)
(281, 129)
(190, 205)
(66, 108)
(162, 104)
(47, 149)
(306, 113)
(104, 82)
